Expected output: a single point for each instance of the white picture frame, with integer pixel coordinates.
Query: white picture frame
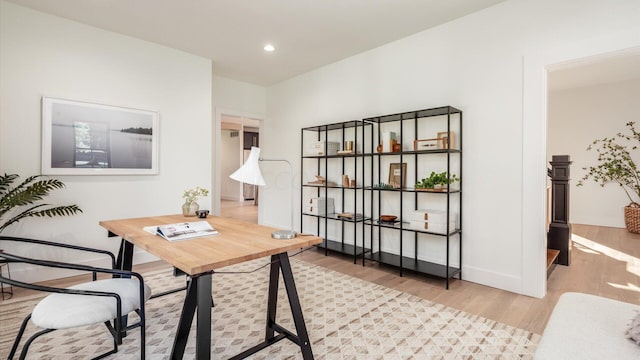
(82, 138)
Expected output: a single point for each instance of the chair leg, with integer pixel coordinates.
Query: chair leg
(115, 342)
(19, 337)
(142, 324)
(25, 349)
(143, 340)
(114, 333)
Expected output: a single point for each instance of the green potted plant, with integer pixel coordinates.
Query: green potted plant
(436, 181)
(615, 165)
(25, 196)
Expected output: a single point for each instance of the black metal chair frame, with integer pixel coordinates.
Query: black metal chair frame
(5, 292)
(118, 329)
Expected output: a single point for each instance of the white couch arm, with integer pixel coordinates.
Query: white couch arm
(585, 326)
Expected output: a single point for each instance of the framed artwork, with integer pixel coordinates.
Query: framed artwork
(81, 138)
(446, 140)
(398, 175)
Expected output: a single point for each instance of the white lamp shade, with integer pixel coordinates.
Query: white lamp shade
(250, 173)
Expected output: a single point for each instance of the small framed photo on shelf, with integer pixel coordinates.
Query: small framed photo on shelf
(426, 144)
(398, 175)
(446, 140)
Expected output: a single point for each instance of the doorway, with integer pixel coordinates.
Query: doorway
(597, 95)
(237, 134)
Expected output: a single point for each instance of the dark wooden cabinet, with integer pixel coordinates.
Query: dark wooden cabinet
(250, 139)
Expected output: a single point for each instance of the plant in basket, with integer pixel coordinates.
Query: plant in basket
(615, 165)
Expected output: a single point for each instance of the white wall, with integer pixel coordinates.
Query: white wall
(577, 117)
(43, 55)
(490, 64)
(239, 96)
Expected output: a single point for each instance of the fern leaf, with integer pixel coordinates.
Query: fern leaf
(31, 190)
(5, 182)
(58, 211)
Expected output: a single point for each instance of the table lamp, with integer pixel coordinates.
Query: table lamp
(250, 173)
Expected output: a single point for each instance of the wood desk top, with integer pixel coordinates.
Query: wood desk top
(237, 242)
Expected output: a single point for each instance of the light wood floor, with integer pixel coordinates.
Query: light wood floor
(605, 262)
(241, 210)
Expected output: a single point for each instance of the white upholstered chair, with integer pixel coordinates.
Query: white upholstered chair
(106, 301)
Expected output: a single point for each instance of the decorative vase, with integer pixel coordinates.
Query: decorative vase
(190, 208)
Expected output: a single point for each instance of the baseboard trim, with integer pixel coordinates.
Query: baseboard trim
(493, 279)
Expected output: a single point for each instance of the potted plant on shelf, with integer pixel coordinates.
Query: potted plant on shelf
(190, 196)
(615, 165)
(24, 196)
(436, 181)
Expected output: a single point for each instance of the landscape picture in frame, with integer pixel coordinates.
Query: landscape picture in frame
(81, 138)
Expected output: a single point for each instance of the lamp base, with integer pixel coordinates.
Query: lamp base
(284, 234)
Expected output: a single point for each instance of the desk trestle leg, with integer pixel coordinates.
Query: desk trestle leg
(198, 297)
(296, 309)
(281, 262)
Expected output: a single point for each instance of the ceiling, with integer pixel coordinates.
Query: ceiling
(307, 34)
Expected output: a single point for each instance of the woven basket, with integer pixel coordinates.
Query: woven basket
(632, 218)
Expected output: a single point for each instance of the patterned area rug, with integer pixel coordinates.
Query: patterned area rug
(347, 318)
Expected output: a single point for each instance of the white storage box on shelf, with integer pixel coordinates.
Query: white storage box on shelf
(440, 228)
(318, 148)
(430, 215)
(432, 220)
(320, 206)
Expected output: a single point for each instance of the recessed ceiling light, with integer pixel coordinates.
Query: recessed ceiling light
(269, 48)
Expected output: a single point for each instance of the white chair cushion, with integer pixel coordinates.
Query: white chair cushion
(62, 311)
(584, 326)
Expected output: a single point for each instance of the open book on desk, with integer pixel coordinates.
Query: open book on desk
(183, 231)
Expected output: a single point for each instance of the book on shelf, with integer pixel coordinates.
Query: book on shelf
(350, 216)
(183, 231)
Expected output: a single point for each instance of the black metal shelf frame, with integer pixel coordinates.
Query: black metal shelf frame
(400, 260)
(420, 266)
(328, 244)
(369, 221)
(401, 226)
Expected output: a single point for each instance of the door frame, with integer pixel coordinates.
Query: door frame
(536, 64)
(217, 150)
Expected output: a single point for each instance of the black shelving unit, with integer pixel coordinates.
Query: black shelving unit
(332, 166)
(410, 126)
(368, 165)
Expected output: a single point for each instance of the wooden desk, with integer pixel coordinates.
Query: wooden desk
(237, 242)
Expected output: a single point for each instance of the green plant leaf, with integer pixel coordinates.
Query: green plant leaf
(29, 192)
(615, 163)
